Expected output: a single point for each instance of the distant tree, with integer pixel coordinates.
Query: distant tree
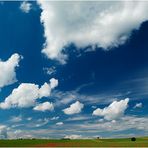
(65, 138)
(133, 139)
(98, 137)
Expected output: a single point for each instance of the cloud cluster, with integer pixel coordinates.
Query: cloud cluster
(92, 129)
(27, 93)
(103, 24)
(113, 111)
(124, 123)
(7, 70)
(74, 108)
(46, 106)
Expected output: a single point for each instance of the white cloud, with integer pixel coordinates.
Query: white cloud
(94, 107)
(138, 105)
(113, 111)
(67, 97)
(37, 123)
(25, 6)
(41, 122)
(104, 24)
(55, 118)
(79, 118)
(59, 123)
(45, 89)
(16, 119)
(23, 96)
(44, 106)
(3, 132)
(50, 71)
(74, 108)
(29, 118)
(17, 134)
(27, 93)
(7, 70)
(73, 136)
(53, 83)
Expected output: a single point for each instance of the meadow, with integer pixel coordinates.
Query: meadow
(123, 142)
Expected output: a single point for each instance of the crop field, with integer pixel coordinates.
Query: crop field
(124, 142)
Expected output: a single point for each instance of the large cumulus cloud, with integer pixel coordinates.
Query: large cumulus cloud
(26, 94)
(104, 24)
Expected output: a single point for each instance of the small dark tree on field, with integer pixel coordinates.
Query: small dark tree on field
(65, 139)
(98, 137)
(133, 139)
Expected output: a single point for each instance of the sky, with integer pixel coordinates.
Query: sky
(73, 69)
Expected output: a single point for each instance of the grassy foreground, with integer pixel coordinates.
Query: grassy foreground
(140, 142)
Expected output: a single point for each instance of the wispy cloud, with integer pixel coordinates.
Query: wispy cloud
(16, 119)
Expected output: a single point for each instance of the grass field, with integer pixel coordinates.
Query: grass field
(140, 142)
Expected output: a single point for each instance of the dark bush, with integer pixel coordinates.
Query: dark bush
(65, 139)
(133, 139)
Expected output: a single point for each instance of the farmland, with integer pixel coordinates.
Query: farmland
(124, 142)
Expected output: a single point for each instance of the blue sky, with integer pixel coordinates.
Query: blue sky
(77, 73)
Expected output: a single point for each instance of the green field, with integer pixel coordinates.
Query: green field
(126, 142)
